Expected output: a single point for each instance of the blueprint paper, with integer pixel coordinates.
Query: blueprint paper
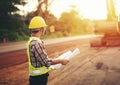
(75, 53)
(67, 55)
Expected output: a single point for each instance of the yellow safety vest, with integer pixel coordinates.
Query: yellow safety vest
(32, 70)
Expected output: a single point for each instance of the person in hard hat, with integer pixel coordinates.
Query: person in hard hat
(39, 63)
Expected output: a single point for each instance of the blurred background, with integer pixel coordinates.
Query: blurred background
(65, 18)
(93, 26)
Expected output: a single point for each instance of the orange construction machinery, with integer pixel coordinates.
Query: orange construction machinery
(109, 28)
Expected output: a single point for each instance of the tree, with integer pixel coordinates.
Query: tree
(71, 23)
(68, 22)
(10, 22)
(42, 10)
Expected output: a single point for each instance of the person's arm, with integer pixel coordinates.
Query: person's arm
(42, 55)
(62, 61)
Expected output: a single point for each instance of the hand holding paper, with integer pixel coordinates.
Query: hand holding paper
(67, 55)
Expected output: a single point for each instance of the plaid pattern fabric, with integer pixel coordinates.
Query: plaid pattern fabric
(38, 55)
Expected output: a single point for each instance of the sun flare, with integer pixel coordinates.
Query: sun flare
(94, 9)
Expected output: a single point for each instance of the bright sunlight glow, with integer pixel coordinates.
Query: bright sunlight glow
(29, 7)
(93, 9)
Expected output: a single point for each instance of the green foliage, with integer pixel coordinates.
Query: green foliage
(13, 28)
(70, 23)
(11, 25)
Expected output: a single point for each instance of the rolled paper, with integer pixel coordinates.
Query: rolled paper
(67, 55)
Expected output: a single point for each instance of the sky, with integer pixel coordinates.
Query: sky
(87, 8)
(92, 9)
(29, 7)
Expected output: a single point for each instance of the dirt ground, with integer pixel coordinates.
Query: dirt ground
(93, 66)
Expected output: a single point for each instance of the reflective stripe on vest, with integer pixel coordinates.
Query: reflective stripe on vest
(32, 70)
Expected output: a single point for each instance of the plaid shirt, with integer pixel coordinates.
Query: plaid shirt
(38, 55)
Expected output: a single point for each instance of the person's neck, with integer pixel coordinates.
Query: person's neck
(35, 35)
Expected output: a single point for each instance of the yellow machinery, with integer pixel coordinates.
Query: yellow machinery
(110, 28)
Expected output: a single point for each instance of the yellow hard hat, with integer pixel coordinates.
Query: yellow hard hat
(37, 22)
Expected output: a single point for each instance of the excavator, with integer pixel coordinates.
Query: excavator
(109, 28)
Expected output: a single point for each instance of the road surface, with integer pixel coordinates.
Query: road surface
(93, 66)
(13, 46)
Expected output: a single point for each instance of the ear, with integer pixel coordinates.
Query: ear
(41, 30)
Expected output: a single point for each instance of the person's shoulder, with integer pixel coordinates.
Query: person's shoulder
(36, 42)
